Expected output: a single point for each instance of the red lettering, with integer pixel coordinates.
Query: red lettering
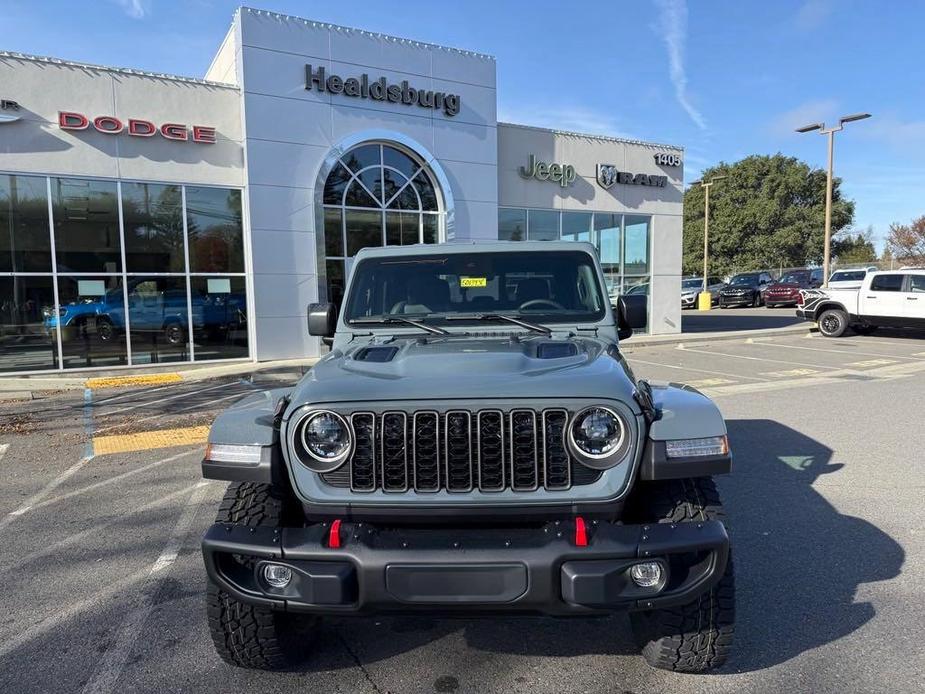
(141, 128)
(174, 131)
(107, 124)
(68, 120)
(201, 133)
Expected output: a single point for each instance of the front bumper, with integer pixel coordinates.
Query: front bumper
(535, 570)
(737, 300)
(780, 299)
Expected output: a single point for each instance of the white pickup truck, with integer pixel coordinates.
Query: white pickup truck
(885, 299)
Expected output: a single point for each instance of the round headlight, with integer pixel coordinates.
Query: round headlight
(597, 433)
(326, 438)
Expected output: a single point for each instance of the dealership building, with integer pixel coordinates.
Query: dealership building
(148, 218)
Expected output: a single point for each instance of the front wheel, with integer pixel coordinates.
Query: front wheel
(833, 322)
(248, 635)
(695, 637)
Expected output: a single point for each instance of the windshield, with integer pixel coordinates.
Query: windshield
(794, 278)
(691, 284)
(745, 280)
(848, 276)
(538, 285)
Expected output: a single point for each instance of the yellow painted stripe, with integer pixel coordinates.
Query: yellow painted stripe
(146, 440)
(123, 381)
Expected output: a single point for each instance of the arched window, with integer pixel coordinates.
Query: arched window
(376, 195)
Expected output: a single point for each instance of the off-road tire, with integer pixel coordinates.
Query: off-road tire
(247, 635)
(833, 322)
(695, 637)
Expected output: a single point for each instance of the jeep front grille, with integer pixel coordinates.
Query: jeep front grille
(459, 450)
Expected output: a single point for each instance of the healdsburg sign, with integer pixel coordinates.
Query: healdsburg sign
(380, 90)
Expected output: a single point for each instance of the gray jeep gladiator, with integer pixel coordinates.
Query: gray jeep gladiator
(474, 443)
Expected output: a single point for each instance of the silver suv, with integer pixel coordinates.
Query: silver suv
(474, 443)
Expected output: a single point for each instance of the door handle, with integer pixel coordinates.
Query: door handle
(912, 298)
(871, 297)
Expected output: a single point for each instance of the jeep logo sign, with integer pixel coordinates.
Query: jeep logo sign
(563, 174)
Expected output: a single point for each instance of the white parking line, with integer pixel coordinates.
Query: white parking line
(36, 498)
(109, 480)
(185, 394)
(114, 659)
(689, 368)
(92, 530)
(3, 447)
(759, 341)
(770, 361)
(240, 394)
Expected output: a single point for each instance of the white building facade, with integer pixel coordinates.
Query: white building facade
(148, 219)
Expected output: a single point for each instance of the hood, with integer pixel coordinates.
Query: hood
(467, 367)
(785, 286)
(738, 289)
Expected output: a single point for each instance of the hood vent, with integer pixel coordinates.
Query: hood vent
(556, 350)
(376, 354)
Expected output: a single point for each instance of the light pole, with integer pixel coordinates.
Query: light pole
(826, 257)
(705, 300)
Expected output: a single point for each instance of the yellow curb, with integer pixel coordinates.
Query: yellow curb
(123, 381)
(146, 440)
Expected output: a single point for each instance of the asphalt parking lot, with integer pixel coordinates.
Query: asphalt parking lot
(103, 580)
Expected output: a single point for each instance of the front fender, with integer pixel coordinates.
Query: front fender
(683, 413)
(252, 421)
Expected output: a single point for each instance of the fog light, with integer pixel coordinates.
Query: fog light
(647, 574)
(278, 575)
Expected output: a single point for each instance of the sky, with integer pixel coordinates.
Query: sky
(722, 79)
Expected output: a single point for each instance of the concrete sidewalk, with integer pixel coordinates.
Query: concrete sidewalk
(715, 336)
(22, 387)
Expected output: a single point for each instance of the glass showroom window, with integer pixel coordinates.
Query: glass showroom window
(376, 195)
(26, 302)
(163, 282)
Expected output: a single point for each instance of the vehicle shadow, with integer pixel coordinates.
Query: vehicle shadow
(799, 561)
(719, 320)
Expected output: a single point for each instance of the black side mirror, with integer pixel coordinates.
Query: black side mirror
(632, 314)
(322, 320)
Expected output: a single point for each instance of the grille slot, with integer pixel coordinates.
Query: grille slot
(394, 451)
(490, 437)
(363, 464)
(426, 442)
(555, 456)
(524, 453)
(460, 450)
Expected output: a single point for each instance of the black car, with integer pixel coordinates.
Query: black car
(745, 289)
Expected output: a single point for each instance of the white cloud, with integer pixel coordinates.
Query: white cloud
(672, 27)
(579, 119)
(815, 111)
(812, 14)
(136, 9)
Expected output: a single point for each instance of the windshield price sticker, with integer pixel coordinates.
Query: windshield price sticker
(469, 282)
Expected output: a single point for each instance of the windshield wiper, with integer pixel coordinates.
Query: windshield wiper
(392, 320)
(535, 327)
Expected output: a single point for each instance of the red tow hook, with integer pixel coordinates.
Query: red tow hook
(334, 535)
(581, 532)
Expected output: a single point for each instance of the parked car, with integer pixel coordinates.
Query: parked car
(849, 278)
(471, 452)
(692, 286)
(745, 289)
(786, 290)
(885, 299)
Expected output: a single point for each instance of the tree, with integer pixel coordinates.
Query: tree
(907, 241)
(768, 212)
(854, 247)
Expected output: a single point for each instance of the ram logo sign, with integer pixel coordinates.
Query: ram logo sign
(608, 175)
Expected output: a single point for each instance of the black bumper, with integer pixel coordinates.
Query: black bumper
(536, 570)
